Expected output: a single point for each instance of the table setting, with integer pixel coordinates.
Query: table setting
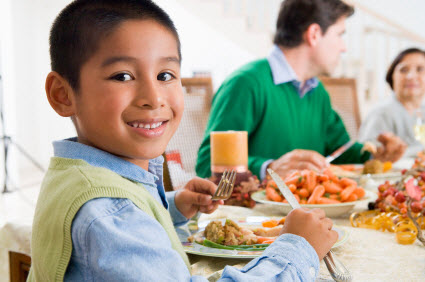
(362, 252)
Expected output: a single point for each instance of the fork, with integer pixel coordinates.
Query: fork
(225, 186)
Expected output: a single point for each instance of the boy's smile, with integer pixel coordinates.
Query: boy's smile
(130, 99)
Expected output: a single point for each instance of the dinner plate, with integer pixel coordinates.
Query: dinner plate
(392, 175)
(252, 221)
(332, 210)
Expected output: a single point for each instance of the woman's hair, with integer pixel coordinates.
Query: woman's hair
(80, 27)
(397, 60)
(295, 16)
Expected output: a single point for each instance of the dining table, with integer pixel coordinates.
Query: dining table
(370, 255)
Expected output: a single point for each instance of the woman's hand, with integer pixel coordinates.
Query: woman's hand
(196, 196)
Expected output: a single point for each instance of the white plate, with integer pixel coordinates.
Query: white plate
(392, 175)
(198, 249)
(332, 210)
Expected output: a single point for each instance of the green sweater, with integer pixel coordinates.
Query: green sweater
(276, 118)
(67, 186)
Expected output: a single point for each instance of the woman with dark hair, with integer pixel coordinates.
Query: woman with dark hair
(406, 77)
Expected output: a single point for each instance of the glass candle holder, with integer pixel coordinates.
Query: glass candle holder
(229, 150)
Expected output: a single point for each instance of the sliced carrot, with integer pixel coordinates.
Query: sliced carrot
(269, 241)
(303, 193)
(296, 179)
(347, 182)
(271, 184)
(311, 180)
(322, 178)
(282, 221)
(271, 194)
(263, 240)
(331, 175)
(318, 192)
(347, 192)
(292, 187)
(325, 201)
(334, 197)
(349, 167)
(270, 223)
(353, 197)
(331, 187)
(360, 192)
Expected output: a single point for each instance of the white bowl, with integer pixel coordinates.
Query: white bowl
(332, 210)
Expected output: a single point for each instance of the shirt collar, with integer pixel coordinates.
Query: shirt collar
(72, 149)
(282, 72)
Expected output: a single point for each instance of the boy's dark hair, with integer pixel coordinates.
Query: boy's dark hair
(397, 60)
(295, 16)
(79, 28)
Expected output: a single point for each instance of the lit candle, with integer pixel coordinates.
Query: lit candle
(229, 150)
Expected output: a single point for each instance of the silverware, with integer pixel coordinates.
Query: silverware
(336, 268)
(225, 186)
(338, 152)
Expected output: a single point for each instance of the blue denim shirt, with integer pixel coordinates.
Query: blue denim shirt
(113, 240)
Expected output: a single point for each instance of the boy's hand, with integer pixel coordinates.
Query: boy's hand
(314, 226)
(196, 196)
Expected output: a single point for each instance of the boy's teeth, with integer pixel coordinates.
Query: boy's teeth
(147, 126)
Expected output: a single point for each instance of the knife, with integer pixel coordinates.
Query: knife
(337, 270)
(339, 151)
(284, 189)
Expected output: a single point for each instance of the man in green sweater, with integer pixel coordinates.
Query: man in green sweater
(283, 106)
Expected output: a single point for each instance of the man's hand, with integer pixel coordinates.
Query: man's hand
(313, 226)
(298, 160)
(196, 196)
(392, 148)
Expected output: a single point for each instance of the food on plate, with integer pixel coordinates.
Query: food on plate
(370, 167)
(373, 167)
(405, 201)
(234, 237)
(310, 187)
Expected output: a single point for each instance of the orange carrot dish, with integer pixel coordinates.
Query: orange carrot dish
(310, 187)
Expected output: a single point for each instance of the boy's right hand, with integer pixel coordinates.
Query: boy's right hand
(314, 226)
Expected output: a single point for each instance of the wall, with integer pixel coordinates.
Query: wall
(24, 62)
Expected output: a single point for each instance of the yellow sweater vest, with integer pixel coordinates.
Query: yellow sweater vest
(67, 186)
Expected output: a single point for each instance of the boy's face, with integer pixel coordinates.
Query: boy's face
(330, 47)
(130, 100)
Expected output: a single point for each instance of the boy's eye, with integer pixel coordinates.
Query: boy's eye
(165, 76)
(122, 77)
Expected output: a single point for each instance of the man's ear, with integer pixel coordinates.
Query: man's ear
(313, 34)
(60, 94)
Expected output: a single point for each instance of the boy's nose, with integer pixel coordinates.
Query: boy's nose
(149, 96)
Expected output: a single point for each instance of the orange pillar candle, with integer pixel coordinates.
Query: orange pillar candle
(229, 150)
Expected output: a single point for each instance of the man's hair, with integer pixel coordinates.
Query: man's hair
(295, 16)
(80, 27)
(397, 60)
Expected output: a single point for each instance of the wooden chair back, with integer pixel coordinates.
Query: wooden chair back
(182, 150)
(20, 265)
(343, 94)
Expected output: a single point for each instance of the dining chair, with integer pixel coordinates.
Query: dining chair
(343, 95)
(181, 153)
(19, 266)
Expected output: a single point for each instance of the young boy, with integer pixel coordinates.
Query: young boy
(102, 210)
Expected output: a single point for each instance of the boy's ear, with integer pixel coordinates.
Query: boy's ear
(313, 34)
(60, 94)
